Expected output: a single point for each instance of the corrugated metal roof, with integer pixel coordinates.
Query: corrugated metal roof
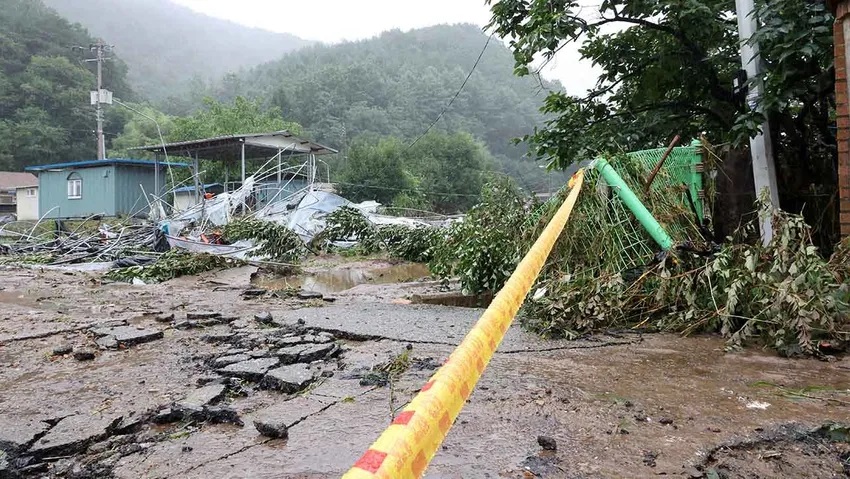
(10, 180)
(224, 147)
(96, 163)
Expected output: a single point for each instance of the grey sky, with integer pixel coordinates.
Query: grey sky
(332, 21)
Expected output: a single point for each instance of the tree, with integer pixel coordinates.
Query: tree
(441, 172)
(668, 67)
(376, 171)
(44, 89)
(241, 117)
(138, 130)
(396, 85)
(451, 168)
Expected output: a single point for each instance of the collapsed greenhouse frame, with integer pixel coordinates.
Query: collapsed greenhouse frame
(241, 148)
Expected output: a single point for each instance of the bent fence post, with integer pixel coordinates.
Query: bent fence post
(628, 197)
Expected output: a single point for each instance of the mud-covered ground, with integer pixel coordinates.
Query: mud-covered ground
(176, 380)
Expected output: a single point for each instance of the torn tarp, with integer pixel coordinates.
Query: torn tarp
(308, 219)
(238, 250)
(218, 210)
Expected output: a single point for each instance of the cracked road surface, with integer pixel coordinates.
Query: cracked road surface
(205, 366)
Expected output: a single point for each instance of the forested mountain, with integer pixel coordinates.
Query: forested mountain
(45, 113)
(166, 44)
(397, 84)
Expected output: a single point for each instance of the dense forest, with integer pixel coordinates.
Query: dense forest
(167, 45)
(45, 114)
(397, 84)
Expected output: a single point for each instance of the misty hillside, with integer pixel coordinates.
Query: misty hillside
(166, 44)
(397, 84)
(45, 111)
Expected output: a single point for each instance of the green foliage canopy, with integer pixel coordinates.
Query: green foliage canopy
(396, 85)
(441, 172)
(241, 116)
(45, 115)
(668, 67)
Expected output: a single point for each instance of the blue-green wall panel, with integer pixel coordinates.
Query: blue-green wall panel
(129, 194)
(98, 193)
(112, 190)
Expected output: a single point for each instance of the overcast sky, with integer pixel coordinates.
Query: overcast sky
(332, 21)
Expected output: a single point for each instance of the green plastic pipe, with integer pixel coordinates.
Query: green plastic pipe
(696, 185)
(632, 202)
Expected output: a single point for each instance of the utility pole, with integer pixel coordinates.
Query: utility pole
(101, 145)
(764, 170)
(100, 96)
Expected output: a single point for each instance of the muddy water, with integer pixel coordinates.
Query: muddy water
(344, 278)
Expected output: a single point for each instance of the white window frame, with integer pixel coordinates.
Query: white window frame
(75, 188)
(30, 193)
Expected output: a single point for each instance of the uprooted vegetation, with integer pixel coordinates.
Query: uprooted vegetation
(273, 241)
(785, 295)
(410, 243)
(605, 271)
(172, 264)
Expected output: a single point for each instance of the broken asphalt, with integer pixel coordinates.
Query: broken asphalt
(192, 379)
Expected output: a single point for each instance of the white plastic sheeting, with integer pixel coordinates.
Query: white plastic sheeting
(305, 214)
(308, 218)
(238, 250)
(219, 210)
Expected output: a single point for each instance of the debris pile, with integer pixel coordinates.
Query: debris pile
(61, 245)
(221, 231)
(607, 272)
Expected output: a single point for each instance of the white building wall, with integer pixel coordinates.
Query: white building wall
(184, 200)
(27, 208)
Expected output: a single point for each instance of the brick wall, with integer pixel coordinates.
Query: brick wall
(842, 15)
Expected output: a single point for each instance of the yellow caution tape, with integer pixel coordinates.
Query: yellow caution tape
(407, 446)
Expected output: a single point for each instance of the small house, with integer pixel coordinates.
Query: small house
(112, 187)
(27, 198)
(10, 184)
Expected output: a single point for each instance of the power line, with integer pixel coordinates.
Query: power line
(477, 61)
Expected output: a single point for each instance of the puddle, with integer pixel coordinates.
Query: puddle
(341, 279)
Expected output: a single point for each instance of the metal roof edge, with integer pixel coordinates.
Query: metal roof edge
(284, 133)
(108, 161)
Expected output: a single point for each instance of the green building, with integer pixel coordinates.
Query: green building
(112, 187)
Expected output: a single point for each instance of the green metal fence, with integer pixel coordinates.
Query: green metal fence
(603, 235)
(682, 169)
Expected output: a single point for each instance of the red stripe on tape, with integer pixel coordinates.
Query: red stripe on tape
(445, 423)
(419, 464)
(403, 418)
(427, 386)
(371, 461)
(464, 390)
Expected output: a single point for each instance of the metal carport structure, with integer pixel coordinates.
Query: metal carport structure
(242, 147)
